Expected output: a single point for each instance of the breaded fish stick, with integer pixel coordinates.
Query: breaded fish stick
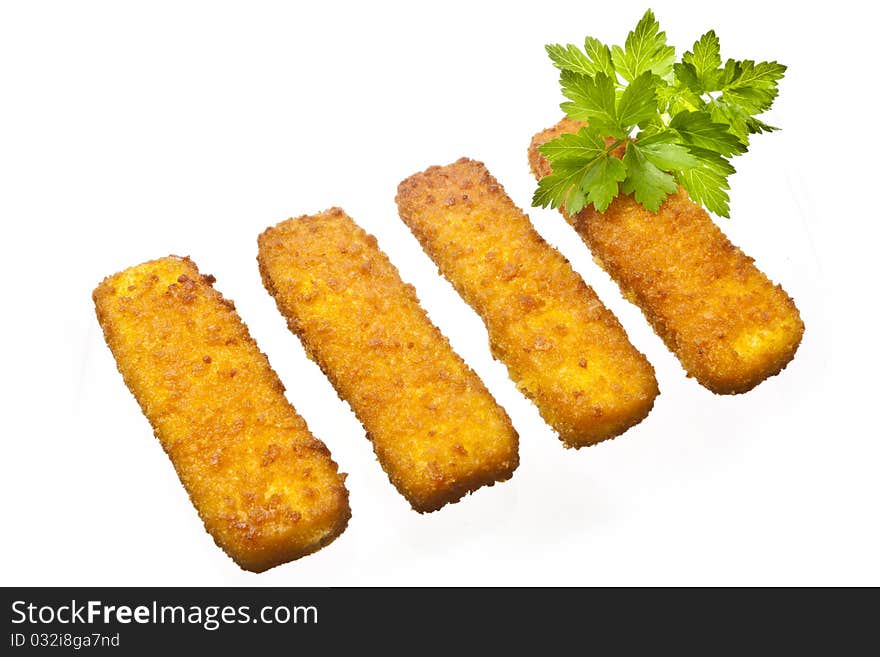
(727, 323)
(562, 347)
(437, 432)
(266, 489)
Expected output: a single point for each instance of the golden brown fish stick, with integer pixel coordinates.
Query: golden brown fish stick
(436, 430)
(562, 347)
(266, 489)
(729, 325)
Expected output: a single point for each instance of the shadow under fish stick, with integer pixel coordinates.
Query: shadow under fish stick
(562, 347)
(727, 323)
(265, 487)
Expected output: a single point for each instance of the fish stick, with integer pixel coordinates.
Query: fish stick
(437, 431)
(564, 349)
(264, 486)
(727, 323)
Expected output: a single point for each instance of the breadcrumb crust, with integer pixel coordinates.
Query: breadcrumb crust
(562, 347)
(264, 486)
(727, 323)
(437, 431)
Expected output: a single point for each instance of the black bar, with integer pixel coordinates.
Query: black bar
(132, 620)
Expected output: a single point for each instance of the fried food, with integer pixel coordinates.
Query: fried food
(265, 487)
(562, 347)
(436, 430)
(727, 323)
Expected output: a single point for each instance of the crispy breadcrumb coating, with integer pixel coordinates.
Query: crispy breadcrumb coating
(265, 487)
(436, 429)
(729, 325)
(563, 348)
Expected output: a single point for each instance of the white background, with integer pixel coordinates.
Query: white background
(129, 131)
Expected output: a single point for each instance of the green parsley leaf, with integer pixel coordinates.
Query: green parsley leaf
(601, 180)
(572, 154)
(662, 151)
(645, 50)
(647, 182)
(600, 55)
(706, 184)
(570, 58)
(698, 129)
(638, 102)
(586, 143)
(676, 98)
(739, 121)
(680, 121)
(592, 98)
(561, 188)
(594, 58)
(686, 77)
(705, 58)
(765, 75)
(584, 171)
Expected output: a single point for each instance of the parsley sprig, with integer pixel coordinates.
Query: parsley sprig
(678, 123)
